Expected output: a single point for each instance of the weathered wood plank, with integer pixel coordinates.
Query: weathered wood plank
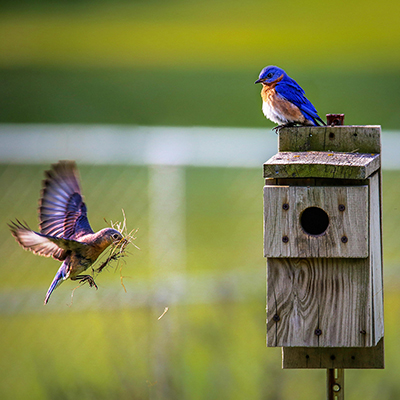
(318, 303)
(375, 255)
(318, 164)
(347, 231)
(334, 357)
(361, 139)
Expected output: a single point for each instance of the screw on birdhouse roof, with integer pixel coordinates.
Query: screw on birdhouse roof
(334, 119)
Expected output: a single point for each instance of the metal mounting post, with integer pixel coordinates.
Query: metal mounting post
(335, 384)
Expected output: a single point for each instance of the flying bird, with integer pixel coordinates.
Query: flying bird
(65, 233)
(284, 101)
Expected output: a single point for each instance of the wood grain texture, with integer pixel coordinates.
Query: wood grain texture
(361, 139)
(319, 164)
(335, 357)
(351, 223)
(328, 294)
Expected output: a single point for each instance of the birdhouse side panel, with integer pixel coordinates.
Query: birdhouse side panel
(376, 254)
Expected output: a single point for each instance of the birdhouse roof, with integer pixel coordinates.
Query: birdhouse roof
(338, 152)
(321, 164)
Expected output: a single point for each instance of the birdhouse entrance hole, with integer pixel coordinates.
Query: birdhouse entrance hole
(314, 221)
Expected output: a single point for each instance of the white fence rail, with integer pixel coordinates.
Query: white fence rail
(139, 145)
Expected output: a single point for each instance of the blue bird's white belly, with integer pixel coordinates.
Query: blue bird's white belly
(279, 110)
(273, 114)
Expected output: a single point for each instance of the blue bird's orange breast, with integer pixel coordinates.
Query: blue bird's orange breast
(80, 261)
(278, 109)
(97, 248)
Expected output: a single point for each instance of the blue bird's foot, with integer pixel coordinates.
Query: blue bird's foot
(287, 125)
(85, 278)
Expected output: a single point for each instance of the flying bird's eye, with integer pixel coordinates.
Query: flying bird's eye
(115, 236)
(270, 75)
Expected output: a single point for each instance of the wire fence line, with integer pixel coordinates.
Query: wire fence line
(176, 289)
(165, 153)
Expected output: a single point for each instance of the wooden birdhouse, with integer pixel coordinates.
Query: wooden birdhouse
(323, 243)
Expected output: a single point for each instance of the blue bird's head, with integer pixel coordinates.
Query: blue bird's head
(270, 74)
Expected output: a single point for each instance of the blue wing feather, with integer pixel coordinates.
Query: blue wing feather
(62, 212)
(292, 91)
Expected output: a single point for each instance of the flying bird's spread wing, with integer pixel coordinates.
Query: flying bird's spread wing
(62, 212)
(47, 246)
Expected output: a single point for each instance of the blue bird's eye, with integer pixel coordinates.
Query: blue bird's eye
(270, 75)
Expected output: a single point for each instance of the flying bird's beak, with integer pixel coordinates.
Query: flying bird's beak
(258, 81)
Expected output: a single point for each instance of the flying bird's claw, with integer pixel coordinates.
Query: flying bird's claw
(86, 278)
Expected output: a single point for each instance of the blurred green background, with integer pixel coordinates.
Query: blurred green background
(178, 63)
(191, 62)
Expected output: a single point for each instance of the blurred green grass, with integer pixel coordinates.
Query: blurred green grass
(216, 349)
(228, 34)
(177, 97)
(194, 63)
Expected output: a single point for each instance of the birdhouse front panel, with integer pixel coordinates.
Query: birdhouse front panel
(316, 221)
(319, 302)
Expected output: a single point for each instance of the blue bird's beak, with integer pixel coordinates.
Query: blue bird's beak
(258, 81)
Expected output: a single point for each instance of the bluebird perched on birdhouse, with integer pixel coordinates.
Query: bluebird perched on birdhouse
(65, 233)
(284, 101)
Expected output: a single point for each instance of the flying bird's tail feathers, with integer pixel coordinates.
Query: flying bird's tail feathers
(60, 276)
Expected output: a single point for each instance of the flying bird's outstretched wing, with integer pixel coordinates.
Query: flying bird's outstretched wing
(62, 212)
(44, 245)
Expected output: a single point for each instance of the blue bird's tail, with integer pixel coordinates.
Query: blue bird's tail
(312, 116)
(317, 118)
(60, 276)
